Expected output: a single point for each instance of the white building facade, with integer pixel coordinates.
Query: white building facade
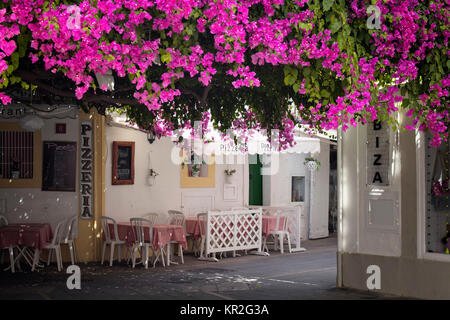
(389, 215)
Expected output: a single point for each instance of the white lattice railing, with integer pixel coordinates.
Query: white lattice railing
(293, 214)
(234, 230)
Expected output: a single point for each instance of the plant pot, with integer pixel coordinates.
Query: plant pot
(312, 165)
(151, 180)
(196, 173)
(228, 179)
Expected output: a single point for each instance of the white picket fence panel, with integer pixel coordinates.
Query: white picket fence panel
(234, 230)
(293, 214)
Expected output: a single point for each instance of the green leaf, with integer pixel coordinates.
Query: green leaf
(324, 93)
(327, 4)
(335, 24)
(166, 58)
(289, 80)
(15, 60)
(305, 26)
(405, 102)
(306, 71)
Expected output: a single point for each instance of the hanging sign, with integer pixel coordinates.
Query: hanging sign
(86, 171)
(378, 154)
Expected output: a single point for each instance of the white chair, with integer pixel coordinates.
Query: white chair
(177, 218)
(152, 217)
(140, 227)
(111, 241)
(201, 219)
(70, 235)
(279, 234)
(3, 223)
(54, 245)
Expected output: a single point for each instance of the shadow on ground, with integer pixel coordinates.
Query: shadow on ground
(309, 275)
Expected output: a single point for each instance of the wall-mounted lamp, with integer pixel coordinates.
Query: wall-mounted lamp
(150, 137)
(106, 79)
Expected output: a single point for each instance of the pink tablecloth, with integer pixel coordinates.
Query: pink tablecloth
(192, 227)
(162, 234)
(269, 224)
(34, 235)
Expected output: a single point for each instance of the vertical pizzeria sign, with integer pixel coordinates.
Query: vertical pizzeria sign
(86, 171)
(378, 154)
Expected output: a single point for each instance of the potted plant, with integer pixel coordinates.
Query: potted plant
(152, 176)
(312, 164)
(195, 165)
(228, 174)
(195, 169)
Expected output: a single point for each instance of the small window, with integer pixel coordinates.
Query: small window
(298, 189)
(123, 163)
(16, 155)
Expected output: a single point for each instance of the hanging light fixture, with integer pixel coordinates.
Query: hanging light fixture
(106, 79)
(150, 137)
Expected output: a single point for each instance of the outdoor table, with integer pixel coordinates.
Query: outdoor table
(163, 235)
(23, 236)
(192, 227)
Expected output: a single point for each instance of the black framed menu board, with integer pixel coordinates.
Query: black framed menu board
(59, 166)
(123, 162)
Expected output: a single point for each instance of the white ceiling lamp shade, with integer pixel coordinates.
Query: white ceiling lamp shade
(106, 79)
(31, 123)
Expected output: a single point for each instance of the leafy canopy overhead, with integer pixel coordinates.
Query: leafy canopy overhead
(239, 64)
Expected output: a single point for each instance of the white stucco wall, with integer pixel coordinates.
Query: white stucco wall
(358, 235)
(34, 205)
(277, 190)
(126, 201)
(319, 213)
(406, 269)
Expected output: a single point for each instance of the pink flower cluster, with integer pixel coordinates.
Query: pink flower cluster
(78, 41)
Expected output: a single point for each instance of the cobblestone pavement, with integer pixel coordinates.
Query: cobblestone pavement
(307, 275)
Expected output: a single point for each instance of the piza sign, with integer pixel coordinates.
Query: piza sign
(378, 154)
(86, 171)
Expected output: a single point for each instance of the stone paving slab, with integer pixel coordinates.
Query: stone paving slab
(307, 275)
